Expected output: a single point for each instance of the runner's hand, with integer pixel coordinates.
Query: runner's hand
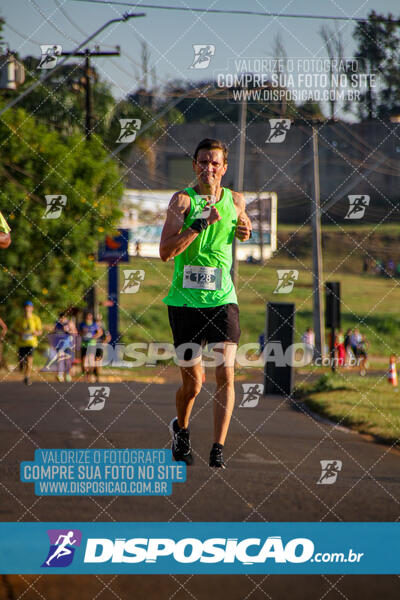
(214, 215)
(243, 232)
(243, 228)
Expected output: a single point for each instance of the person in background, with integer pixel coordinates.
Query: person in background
(362, 354)
(340, 349)
(355, 339)
(347, 348)
(28, 328)
(89, 332)
(104, 337)
(66, 330)
(308, 337)
(378, 266)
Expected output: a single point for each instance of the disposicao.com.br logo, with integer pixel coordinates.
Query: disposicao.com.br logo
(248, 551)
(62, 547)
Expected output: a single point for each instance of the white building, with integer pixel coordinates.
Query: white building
(261, 208)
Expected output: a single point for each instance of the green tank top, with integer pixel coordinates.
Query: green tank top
(209, 283)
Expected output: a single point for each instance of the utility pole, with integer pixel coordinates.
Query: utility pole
(239, 172)
(88, 54)
(260, 231)
(91, 296)
(317, 253)
(125, 17)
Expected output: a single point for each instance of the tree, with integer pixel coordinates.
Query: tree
(333, 41)
(60, 101)
(280, 55)
(378, 54)
(52, 261)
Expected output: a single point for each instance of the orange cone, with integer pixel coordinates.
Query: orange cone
(392, 375)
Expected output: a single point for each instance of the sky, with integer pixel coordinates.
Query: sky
(170, 35)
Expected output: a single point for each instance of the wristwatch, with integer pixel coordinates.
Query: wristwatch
(199, 225)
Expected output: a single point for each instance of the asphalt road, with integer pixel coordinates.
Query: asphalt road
(273, 456)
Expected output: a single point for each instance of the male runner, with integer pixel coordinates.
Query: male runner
(202, 302)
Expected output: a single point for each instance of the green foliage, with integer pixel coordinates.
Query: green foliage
(52, 261)
(378, 52)
(60, 101)
(386, 325)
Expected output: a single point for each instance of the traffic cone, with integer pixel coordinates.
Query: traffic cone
(392, 374)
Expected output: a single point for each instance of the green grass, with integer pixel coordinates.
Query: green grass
(368, 301)
(369, 405)
(348, 226)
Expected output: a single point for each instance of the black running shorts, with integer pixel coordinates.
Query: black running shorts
(204, 325)
(24, 352)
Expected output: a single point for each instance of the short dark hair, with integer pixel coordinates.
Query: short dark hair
(210, 144)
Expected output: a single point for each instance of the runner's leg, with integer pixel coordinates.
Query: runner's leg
(186, 394)
(28, 365)
(224, 399)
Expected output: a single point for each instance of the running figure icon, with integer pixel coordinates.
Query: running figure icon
(279, 129)
(286, 280)
(330, 470)
(357, 206)
(203, 54)
(62, 549)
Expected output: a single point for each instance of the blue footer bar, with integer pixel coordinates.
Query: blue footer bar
(213, 548)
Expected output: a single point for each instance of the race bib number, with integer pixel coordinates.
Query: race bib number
(27, 336)
(202, 278)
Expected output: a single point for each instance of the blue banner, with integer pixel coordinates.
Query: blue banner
(88, 472)
(205, 548)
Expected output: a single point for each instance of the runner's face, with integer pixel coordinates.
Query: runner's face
(209, 166)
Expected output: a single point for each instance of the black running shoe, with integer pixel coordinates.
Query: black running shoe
(181, 448)
(216, 457)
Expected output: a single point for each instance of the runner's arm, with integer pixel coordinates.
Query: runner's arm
(39, 329)
(173, 239)
(3, 329)
(98, 333)
(5, 240)
(244, 228)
